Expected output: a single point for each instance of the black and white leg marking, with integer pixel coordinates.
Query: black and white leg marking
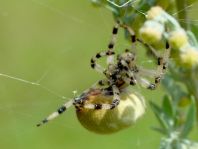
(111, 45)
(103, 82)
(162, 62)
(55, 114)
(116, 97)
(131, 32)
(130, 79)
(132, 35)
(96, 66)
(109, 53)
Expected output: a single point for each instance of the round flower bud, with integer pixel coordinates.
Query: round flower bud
(187, 144)
(184, 101)
(154, 12)
(178, 38)
(189, 56)
(130, 108)
(151, 32)
(175, 140)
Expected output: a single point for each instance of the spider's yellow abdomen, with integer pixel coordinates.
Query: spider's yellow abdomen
(131, 107)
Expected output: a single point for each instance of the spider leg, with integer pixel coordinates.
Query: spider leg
(116, 97)
(132, 35)
(130, 79)
(141, 73)
(96, 66)
(151, 73)
(115, 102)
(110, 58)
(133, 77)
(131, 32)
(145, 83)
(55, 114)
(103, 82)
(162, 62)
(109, 53)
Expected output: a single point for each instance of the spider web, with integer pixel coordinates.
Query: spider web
(57, 71)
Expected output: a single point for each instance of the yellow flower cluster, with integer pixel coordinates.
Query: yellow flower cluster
(160, 25)
(178, 38)
(151, 32)
(189, 57)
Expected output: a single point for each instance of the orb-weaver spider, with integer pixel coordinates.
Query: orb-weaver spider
(119, 74)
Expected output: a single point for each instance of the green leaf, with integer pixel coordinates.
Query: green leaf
(173, 88)
(192, 38)
(160, 115)
(194, 29)
(168, 107)
(182, 15)
(160, 130)
(190, 119)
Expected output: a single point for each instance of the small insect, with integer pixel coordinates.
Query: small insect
(109, 106)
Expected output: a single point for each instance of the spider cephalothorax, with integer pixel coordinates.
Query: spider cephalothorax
(125, 71)
(107, 94)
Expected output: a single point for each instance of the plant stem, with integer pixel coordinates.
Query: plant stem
(182, 13)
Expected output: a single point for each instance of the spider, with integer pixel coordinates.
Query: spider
(119, 74)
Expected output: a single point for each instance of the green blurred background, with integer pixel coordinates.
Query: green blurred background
(52, 42)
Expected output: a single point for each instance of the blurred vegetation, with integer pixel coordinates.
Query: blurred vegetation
(52, 42)
(177, 113)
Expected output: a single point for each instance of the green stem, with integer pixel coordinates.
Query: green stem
(182, 13)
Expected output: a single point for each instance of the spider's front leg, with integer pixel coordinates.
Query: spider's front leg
(109, 53)
(132, 35)
(55, 114)
(98, 67)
